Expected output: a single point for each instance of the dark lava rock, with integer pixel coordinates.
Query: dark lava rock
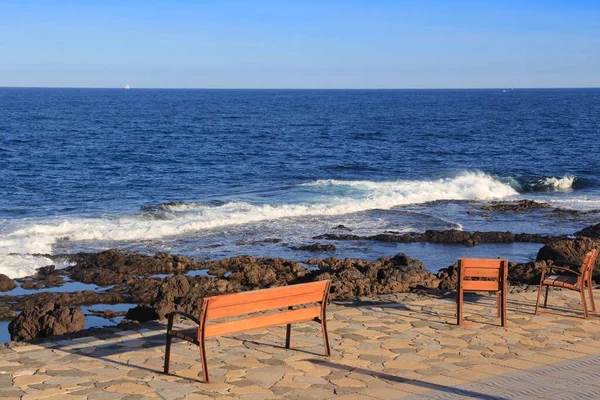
(570, 251)
(342, 228)
(316, 247)
(272, 240)
(43, 281)
(591, 232)
(6, 314)
(46, 319)
(355, 277)
(6, 283)
(449, 236)
(448, 277)
(141, 314)
(47, 270)
(515, 206)
(526, 273)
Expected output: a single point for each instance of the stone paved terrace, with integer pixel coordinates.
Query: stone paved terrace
(404, 346)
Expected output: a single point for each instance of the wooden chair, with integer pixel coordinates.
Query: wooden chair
(572, 280)
(232, 305)
(495, 273)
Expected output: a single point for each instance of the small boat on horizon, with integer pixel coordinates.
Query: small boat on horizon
(127, 86)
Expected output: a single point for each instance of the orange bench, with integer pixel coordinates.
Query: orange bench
(232, 305)
(494, 271)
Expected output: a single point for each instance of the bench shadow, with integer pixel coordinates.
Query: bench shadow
(399, 379)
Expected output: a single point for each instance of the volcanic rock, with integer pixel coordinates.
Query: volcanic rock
(46, 319)
(354, 277)
(515, 206)
(6, 283)
(316, 247)
(591, 232)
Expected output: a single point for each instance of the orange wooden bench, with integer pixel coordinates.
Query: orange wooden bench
(494, 270)
(232, 305)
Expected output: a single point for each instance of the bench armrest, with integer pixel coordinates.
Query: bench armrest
(186, 315)
(561, 269)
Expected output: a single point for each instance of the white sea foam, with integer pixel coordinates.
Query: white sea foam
(564, 183)
(365, 195)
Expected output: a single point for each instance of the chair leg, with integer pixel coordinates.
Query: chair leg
(583, 302)
(288, 335)
(591, 295)
(503, 316)
(167, 353)
(204, 363)
(537, 302)
(499, 295)
(546, 297)
(288, 332)
(459, 307)
(325, 336)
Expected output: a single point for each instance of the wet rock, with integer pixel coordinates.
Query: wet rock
(6, 314)
(448, 277)
(449, 236)
(107, 314)
(515, 206)
(570, 251)
(591, 232)
(6, 283)
(355, 277)
(526, 273)
(128, 263)
(316, 247)
(43, 281)
(272, 240)
(46, 319)
(141, 314)
(47, 270)
(342, 228)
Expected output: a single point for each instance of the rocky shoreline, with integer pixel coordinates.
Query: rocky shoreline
(162, 283)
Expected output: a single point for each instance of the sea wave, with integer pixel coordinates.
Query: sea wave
(335, 199)
(548, 184)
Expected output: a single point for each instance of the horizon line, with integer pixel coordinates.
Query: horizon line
(295, 88)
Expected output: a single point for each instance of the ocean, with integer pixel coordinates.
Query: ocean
(213, 173)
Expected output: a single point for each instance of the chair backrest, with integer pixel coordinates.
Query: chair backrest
(494, 270)
(236, 304)
(587, 266)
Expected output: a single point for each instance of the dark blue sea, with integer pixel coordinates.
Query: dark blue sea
(212, 173)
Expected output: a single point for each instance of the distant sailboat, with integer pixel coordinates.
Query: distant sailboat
(127, 86)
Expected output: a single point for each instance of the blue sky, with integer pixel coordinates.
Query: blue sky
(300, 44)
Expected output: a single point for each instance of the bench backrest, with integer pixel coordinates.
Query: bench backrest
(236, 304)
(587, 267)
(494, 270)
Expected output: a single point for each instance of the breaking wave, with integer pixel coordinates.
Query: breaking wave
(334, 198)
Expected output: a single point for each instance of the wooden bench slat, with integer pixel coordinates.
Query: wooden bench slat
(262, 321)
(481, 272)
(263, 305)
(481, 286)
(480, 263)
(227, 300)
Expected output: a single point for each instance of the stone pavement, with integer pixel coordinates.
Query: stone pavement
(403, 346)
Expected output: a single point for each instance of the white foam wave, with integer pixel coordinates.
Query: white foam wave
(19, 265)
(40, 238)
(564, 183)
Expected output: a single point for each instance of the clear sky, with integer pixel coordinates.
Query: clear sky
(300, 44)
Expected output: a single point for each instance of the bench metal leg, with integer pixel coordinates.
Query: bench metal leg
(288, 332)
(204, 363)
(167, 353)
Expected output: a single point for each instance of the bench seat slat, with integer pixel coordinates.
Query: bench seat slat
(480, 263)
(481, 286)
(262, 321)
(262, 305)
(235, 299)
(481, 272)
